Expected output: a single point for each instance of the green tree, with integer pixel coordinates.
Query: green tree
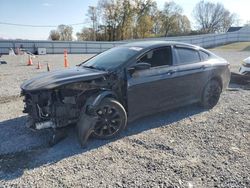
(128, 19)
(143, 13)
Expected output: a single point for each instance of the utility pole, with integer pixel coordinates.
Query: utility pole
(93, 17)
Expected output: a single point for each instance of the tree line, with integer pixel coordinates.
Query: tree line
(113, 20)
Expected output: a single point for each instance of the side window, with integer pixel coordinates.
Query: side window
(204, 55)
(158, 57)
(187, 56)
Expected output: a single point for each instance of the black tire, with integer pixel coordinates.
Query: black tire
(211, 94)
(85, 127)
(112, 119)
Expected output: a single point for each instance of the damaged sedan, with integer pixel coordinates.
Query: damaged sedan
(123, 84)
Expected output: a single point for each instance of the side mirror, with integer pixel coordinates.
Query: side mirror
(142, 66)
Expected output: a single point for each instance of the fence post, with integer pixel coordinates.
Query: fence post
(227, 38)
(69, 48)
(13, 45)
(53, 50)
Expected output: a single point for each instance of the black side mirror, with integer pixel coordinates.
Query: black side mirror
(142, 66)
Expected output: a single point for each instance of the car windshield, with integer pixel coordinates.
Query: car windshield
(112, 58)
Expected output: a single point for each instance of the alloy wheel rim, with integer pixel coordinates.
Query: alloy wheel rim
(213, 95)
(109, 121)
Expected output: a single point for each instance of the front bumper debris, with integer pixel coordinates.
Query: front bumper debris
(45, 125)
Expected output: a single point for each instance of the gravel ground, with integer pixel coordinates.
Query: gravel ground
(233, 57)
(187, 147)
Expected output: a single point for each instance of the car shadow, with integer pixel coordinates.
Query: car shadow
(22, 149)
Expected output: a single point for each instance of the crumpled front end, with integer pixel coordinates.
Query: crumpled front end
(55, 108)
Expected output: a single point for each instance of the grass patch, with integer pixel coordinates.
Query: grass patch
(239, 46)
(247, 48)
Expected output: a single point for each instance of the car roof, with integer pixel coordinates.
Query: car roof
(154, 43)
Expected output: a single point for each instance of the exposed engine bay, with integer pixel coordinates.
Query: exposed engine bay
(59, 107)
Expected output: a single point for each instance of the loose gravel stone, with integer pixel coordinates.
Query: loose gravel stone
(186, 147)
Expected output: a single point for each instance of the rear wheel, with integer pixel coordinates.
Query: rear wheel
(211, 94)
(111, 119)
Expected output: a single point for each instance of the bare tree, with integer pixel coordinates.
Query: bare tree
(54, 35)
(110, 15)
(184, 25)
(85, 34)
(65, 32)
(170, 14)
(125, 19)
(92, 14)
(212, 17)
(157, 22)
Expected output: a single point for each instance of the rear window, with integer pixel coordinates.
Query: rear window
(187, 56)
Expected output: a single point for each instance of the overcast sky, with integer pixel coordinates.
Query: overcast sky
(55, 12)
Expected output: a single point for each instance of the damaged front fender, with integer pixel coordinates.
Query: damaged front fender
(102, 95)
(61, 106)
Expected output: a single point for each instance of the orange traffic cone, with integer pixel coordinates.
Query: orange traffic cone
(30, 61)
(39, 65)
(48, 67)
(66, 64)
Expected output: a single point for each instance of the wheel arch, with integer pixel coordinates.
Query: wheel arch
(104, 94)
(218, 79)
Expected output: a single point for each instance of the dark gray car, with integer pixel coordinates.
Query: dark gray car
(125, 83)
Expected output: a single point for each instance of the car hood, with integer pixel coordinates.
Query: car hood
(57, 78)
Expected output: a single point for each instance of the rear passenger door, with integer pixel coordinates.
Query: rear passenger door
(192, 70)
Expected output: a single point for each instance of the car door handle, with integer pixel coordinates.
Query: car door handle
(205, 66)
(171, 72)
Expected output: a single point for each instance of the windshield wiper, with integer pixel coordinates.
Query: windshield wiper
(92, 67)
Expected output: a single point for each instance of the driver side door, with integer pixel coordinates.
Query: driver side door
(151, 90)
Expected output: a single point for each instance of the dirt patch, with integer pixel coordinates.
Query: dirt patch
(9, 163)
(7, 99)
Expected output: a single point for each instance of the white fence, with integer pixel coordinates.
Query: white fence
(57, 47)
